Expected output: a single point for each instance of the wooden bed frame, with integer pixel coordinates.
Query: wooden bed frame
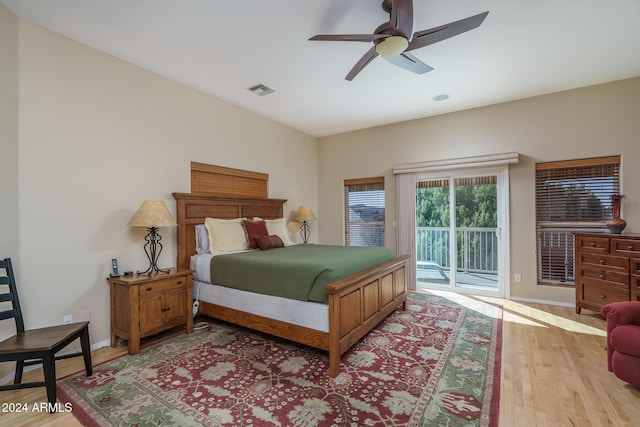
(356, 303)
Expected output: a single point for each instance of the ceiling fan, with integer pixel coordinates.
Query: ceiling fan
(391, 39)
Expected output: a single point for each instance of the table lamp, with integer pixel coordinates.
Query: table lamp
(152, 215)
(303, 215)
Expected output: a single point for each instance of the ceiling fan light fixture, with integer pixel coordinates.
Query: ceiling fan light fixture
(392, 46)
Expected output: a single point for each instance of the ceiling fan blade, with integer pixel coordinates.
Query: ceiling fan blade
(409, 62)
(443, 32)
(364, 61)
(402, 16)
(349, 37)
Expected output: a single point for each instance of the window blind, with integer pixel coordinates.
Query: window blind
(364, 202)
(570, 195)
(440, 183)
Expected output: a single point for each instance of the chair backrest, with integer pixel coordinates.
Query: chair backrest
(12, 295)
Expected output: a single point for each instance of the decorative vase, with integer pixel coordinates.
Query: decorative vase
(616, 224)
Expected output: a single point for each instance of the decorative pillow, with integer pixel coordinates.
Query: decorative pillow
(277, 227)
(253, 229)
(226, 235)
(202, 239)
(269, 242)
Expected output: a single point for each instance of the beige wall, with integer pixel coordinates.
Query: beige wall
(9, 243)
(8, 133)
(97, 137)
(595, 121)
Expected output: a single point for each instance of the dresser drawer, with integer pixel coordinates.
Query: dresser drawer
(626, 247)
(615, 277)
(609, 261)
(623, 286)
(634, 283)
(635, 266)
(602, 295)
(161, 286)
(592, 244)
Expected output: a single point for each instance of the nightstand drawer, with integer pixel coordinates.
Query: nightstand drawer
(161, 286)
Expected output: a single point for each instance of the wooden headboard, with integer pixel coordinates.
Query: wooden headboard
(192, 209)
(219, 192)
(221, 181)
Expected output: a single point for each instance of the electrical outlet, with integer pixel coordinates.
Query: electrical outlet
(196, 304)
(67, 319)
(517, 278)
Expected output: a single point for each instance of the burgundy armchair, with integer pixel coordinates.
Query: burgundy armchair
(623, 340)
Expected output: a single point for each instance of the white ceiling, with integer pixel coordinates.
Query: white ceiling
(523, 49)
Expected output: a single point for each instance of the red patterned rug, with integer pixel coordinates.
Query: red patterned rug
(436, 364)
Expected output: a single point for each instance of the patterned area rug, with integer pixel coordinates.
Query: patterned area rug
(436, 364)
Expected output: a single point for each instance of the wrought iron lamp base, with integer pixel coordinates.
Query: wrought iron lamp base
(152, 248)
(305, 231)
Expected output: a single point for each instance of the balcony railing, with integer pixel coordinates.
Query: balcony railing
(477, 248)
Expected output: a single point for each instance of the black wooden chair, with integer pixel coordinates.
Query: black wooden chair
(37, 345)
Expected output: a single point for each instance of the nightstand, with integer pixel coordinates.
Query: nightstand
(143, 305)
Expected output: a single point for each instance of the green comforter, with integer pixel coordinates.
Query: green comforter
(297, 271)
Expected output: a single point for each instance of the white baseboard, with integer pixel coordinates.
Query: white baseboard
(9, 377)
(541, 301)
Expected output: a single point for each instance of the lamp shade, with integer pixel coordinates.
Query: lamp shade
(304, 213)
(152, 213)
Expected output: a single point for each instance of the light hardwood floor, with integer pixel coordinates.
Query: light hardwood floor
(554, 373)
(554, 370)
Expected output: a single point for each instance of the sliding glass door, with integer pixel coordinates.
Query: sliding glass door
(459, 225)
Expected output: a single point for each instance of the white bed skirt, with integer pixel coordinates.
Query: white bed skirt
(302, 313)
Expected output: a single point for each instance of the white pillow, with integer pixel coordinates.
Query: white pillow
(202, 239)
(277, 227)
(226, 235)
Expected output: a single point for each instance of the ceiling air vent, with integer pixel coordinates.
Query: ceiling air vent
(261, 89)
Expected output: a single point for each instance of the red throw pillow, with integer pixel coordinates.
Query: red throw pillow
(253, 229)
(269, 242)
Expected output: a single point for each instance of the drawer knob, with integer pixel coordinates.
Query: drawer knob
(602, 276)
(603, 296)
(592, 244)
(166, 308)
(149, 288)
(179, 282)
(630, 247)
(601, 261)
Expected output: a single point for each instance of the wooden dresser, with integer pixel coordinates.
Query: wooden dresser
(607, 269)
